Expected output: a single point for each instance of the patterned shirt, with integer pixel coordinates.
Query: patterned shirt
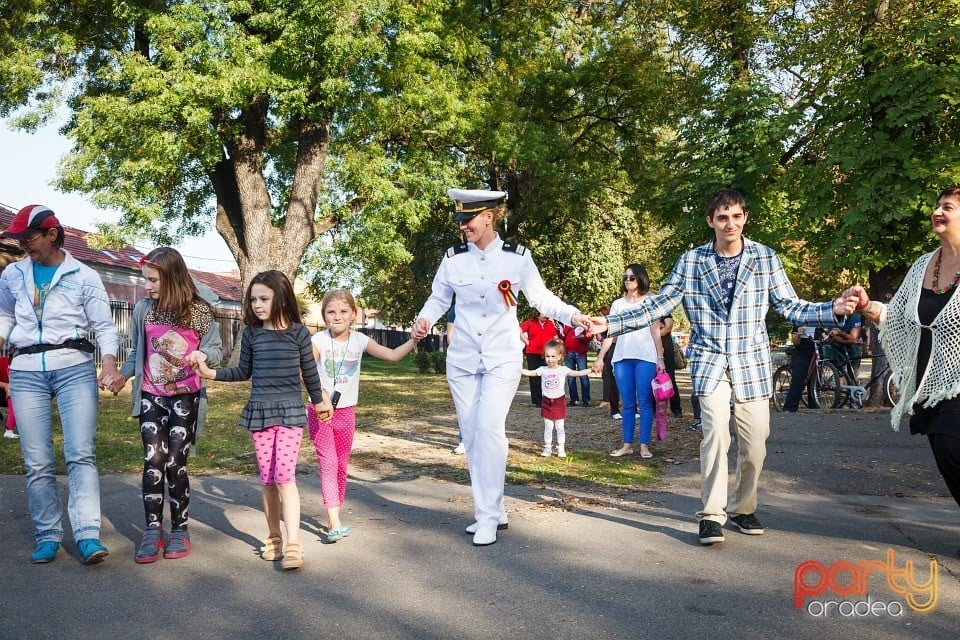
(727, 268)
(727, 338)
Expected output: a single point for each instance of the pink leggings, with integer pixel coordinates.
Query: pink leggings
(277, 450)
(11, 418)
(333, 441)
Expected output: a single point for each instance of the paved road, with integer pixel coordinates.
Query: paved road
(571, 565)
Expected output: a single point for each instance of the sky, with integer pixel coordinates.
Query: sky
(28, 165)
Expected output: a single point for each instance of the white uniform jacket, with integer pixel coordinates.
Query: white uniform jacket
(75, 305)
(486, 329)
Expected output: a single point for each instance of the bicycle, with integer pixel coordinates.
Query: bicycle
(822, 382)
(856, 394)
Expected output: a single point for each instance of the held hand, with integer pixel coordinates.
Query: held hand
(198, 362)
(845, 304)
(108, 374)
(597, 366)
(324, 410)
(118, 384)
(597, 325)
(858, 292)
(420, 329)
(580, 320)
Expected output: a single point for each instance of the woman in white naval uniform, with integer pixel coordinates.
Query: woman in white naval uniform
(485, 356)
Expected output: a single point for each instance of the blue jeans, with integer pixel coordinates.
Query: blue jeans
(75, 389)
(577, 362)
(636, 396)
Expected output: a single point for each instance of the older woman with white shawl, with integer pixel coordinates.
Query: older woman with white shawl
(920, 332)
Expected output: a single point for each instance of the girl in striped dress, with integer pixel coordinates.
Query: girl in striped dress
(275, 352)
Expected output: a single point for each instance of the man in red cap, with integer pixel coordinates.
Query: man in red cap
(49, 303)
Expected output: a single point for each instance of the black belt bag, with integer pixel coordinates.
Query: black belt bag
(80, 344)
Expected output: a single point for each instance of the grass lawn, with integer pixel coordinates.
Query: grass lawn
(406, 426)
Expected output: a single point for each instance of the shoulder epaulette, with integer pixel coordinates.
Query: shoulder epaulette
(454, 250)
(514, 247)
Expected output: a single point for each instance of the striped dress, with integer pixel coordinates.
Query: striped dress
(275, 360)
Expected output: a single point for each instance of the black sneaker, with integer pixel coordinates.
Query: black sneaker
(697, 426)
(748, 524)
(710, 532)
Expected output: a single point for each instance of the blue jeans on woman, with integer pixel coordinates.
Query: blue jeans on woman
(577, 362)
(634, 378)
(75, 389)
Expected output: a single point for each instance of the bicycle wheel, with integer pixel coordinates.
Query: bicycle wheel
(781, 385)
(826, 391)
(892, 393)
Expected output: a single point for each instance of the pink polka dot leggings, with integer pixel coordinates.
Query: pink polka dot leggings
(277, 450)
(333, 441)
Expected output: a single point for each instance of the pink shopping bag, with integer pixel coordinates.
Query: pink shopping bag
(662, 387)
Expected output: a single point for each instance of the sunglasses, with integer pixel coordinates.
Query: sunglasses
(23, 242)
(629, 278)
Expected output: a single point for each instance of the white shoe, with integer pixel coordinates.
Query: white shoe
(486, 534)
(625, 450)
(459, 449)
(501, 525)
(617, 416)
(547, 450)
(561, 452)
(7, 433)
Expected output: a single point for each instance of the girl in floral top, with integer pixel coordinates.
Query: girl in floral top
(171, 322)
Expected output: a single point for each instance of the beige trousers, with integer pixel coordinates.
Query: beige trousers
(752, 422)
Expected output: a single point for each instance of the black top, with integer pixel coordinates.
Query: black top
(944, 417)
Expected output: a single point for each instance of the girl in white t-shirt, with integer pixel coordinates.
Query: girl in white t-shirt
(637, 358)
(553, 408)
(338, 351)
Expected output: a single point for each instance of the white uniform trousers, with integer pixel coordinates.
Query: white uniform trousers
(752, 421)
(483, 400)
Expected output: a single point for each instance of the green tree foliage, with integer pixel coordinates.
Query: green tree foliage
(877, 137)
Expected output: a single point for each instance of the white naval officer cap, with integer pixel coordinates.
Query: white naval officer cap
(470, 202)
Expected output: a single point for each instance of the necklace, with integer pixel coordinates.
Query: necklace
(936, 276)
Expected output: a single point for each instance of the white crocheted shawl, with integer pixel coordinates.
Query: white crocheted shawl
(900, 337)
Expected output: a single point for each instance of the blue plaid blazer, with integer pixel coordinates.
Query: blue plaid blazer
(723, 342)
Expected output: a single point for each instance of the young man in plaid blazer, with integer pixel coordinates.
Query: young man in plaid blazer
(726, 287)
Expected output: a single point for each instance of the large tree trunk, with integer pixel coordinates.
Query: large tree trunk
(244, 208)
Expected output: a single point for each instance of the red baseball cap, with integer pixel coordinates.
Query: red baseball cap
(30, 219)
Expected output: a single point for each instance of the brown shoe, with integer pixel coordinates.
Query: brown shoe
(272, 548)
(293, 558)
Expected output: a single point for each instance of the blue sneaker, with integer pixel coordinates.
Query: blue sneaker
(91, 551)
(45, 552)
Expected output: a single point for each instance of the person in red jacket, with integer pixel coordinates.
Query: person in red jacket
(536, 331)
(5, 398)
(576, 342)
